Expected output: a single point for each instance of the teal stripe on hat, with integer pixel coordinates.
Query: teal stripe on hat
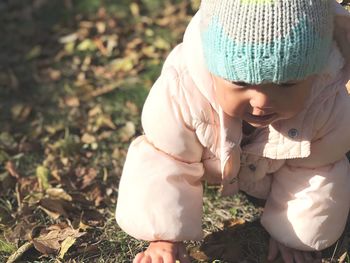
(295, 56)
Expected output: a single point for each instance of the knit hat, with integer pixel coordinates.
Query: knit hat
(259, 41)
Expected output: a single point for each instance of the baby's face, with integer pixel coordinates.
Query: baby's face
(261, 105)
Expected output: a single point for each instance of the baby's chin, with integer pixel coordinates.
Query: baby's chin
(260, 121)
(265, 121)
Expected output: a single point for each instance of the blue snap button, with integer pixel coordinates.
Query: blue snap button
(252, 167)
(292, 133)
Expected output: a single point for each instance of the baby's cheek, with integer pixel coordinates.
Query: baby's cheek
(233, 108)
(296, 106)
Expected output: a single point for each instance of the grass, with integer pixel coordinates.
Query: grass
(73, 76)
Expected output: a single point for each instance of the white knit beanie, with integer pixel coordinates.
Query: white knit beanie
(258, 41)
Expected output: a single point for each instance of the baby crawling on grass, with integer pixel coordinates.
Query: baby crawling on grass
(253, 99)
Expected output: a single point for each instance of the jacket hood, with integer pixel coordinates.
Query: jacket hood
(195, 61)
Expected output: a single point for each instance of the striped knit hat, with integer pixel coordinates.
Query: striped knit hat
(259, 41)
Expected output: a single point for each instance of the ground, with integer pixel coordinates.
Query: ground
(73, 79)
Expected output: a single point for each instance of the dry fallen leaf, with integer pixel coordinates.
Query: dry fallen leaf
(42, 174)
(197, 254)
(20, 112)
(72, 101)
(87, 176)
(21, 231)
(234, 222)
(88, 138)
(66, 244)
(127, 131)
(54, 207)
(58, 193)
(50, 240)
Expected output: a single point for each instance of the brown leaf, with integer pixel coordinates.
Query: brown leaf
(88, 138)
(27, 147)
(46, 247)
(343, 257)
(33, 198)
(101, 27)
(105, 121)
(197, 254)
(92, 218)
(49, 240)
(99, 44)
(234, 222)
(95, 111)
(27, 185)
(53, 215)
(54, 207)
(135, 9)
(87, 175)
(127, 131)
(132, 107)
(58, 193)
(54, 74)
(81, 199)
(22, 231)
(20, 112)
(90, 250)
(97, 195)
(5, 217)
(72, 101)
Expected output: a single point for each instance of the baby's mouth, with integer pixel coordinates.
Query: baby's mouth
(260, 118)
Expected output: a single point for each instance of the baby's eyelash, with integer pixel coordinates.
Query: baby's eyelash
(238, 83)
(287, 85)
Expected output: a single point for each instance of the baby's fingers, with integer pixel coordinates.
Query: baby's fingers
(142, 258)
(138, 257)
(273, 250)
(286, 253)
(169, 258)
(299, 257)
(157, 259)
(308, 257)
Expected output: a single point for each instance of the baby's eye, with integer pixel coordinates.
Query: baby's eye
(287, 85)
(239, 83)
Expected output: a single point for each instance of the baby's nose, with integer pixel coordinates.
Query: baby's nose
(261, 103)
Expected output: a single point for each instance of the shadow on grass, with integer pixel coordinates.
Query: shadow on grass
(241, 243)
(248, 243)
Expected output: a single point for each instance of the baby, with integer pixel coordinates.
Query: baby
(253, 99)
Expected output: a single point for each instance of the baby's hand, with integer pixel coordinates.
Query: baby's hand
(163, 252)
(290, 255)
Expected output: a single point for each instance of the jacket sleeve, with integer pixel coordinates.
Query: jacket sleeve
(308, 205)
(160, 192)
